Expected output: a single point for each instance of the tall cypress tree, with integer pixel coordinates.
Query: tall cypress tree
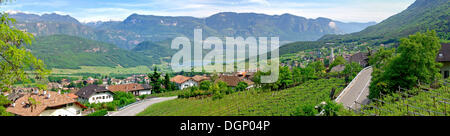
(155, 78)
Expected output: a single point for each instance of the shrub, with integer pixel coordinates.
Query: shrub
(331, 108)
(205, 85)
(99, 113)
(306, 110)
(241, 86)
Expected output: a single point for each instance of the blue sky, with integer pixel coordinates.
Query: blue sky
(104, 10)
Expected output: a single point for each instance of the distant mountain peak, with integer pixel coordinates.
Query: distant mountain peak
(47, 17)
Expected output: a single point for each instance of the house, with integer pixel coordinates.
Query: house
(444, 58)
(53, 85)
(90, 80)
(246, 75)
(233, 81)
(198, 78)
(95, 94)
(65, 82)
(134, 88)
(48, 103)
(360, 58)
(105, 81)
(116, 81)
(183, 82)
(73, 96)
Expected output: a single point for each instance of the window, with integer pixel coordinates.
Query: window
(446, 74)
(103, 97)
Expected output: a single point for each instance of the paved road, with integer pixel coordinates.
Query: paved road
(357, 90)
(137, 108)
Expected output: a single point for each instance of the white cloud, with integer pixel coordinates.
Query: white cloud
(332, 25)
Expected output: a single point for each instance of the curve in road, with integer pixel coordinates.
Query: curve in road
(357, 92)
(139, 107)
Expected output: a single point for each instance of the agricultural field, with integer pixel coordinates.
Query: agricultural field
(103, 70)
(255, 102)
(415, 102)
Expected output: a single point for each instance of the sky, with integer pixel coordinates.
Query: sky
(117, 10)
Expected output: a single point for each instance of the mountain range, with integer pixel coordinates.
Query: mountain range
(420, 16)
(139, 28)
(64, 42)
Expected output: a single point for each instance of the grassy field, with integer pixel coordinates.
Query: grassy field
(102, 70)
(249, 103)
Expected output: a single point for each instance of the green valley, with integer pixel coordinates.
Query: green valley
(69, 52)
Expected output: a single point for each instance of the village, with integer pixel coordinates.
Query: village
(76, 98)
(83, 97)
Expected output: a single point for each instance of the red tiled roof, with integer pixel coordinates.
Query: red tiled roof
(233, 81)
(55, 100)
(199, 78)
(179, 79)
(126, 87)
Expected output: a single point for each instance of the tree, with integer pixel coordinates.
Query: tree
(306, 110)
(155, 81)
(214, 76)
(98, 82)
(205, 85)
(15, 59)
(285, 77)
(308, 73)
(169, 85)
(380, 59)
(241, 86)
(338, 61)
(413, 63)
(351, 70)
(318, 67)
(3, 102)
(297, 75)
(331, 108)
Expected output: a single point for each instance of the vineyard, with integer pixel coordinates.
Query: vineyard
(255, 102)
(415, 102)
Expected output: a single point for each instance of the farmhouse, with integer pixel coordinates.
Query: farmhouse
(233, 81)
(444, 58)
(183, 82)
(198, 78)
(134, 88)
(47, 103)
(95, 94)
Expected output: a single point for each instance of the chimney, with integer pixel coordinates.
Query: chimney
(45, 92)
(48, 96)
(13, 105)
(59, 91)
